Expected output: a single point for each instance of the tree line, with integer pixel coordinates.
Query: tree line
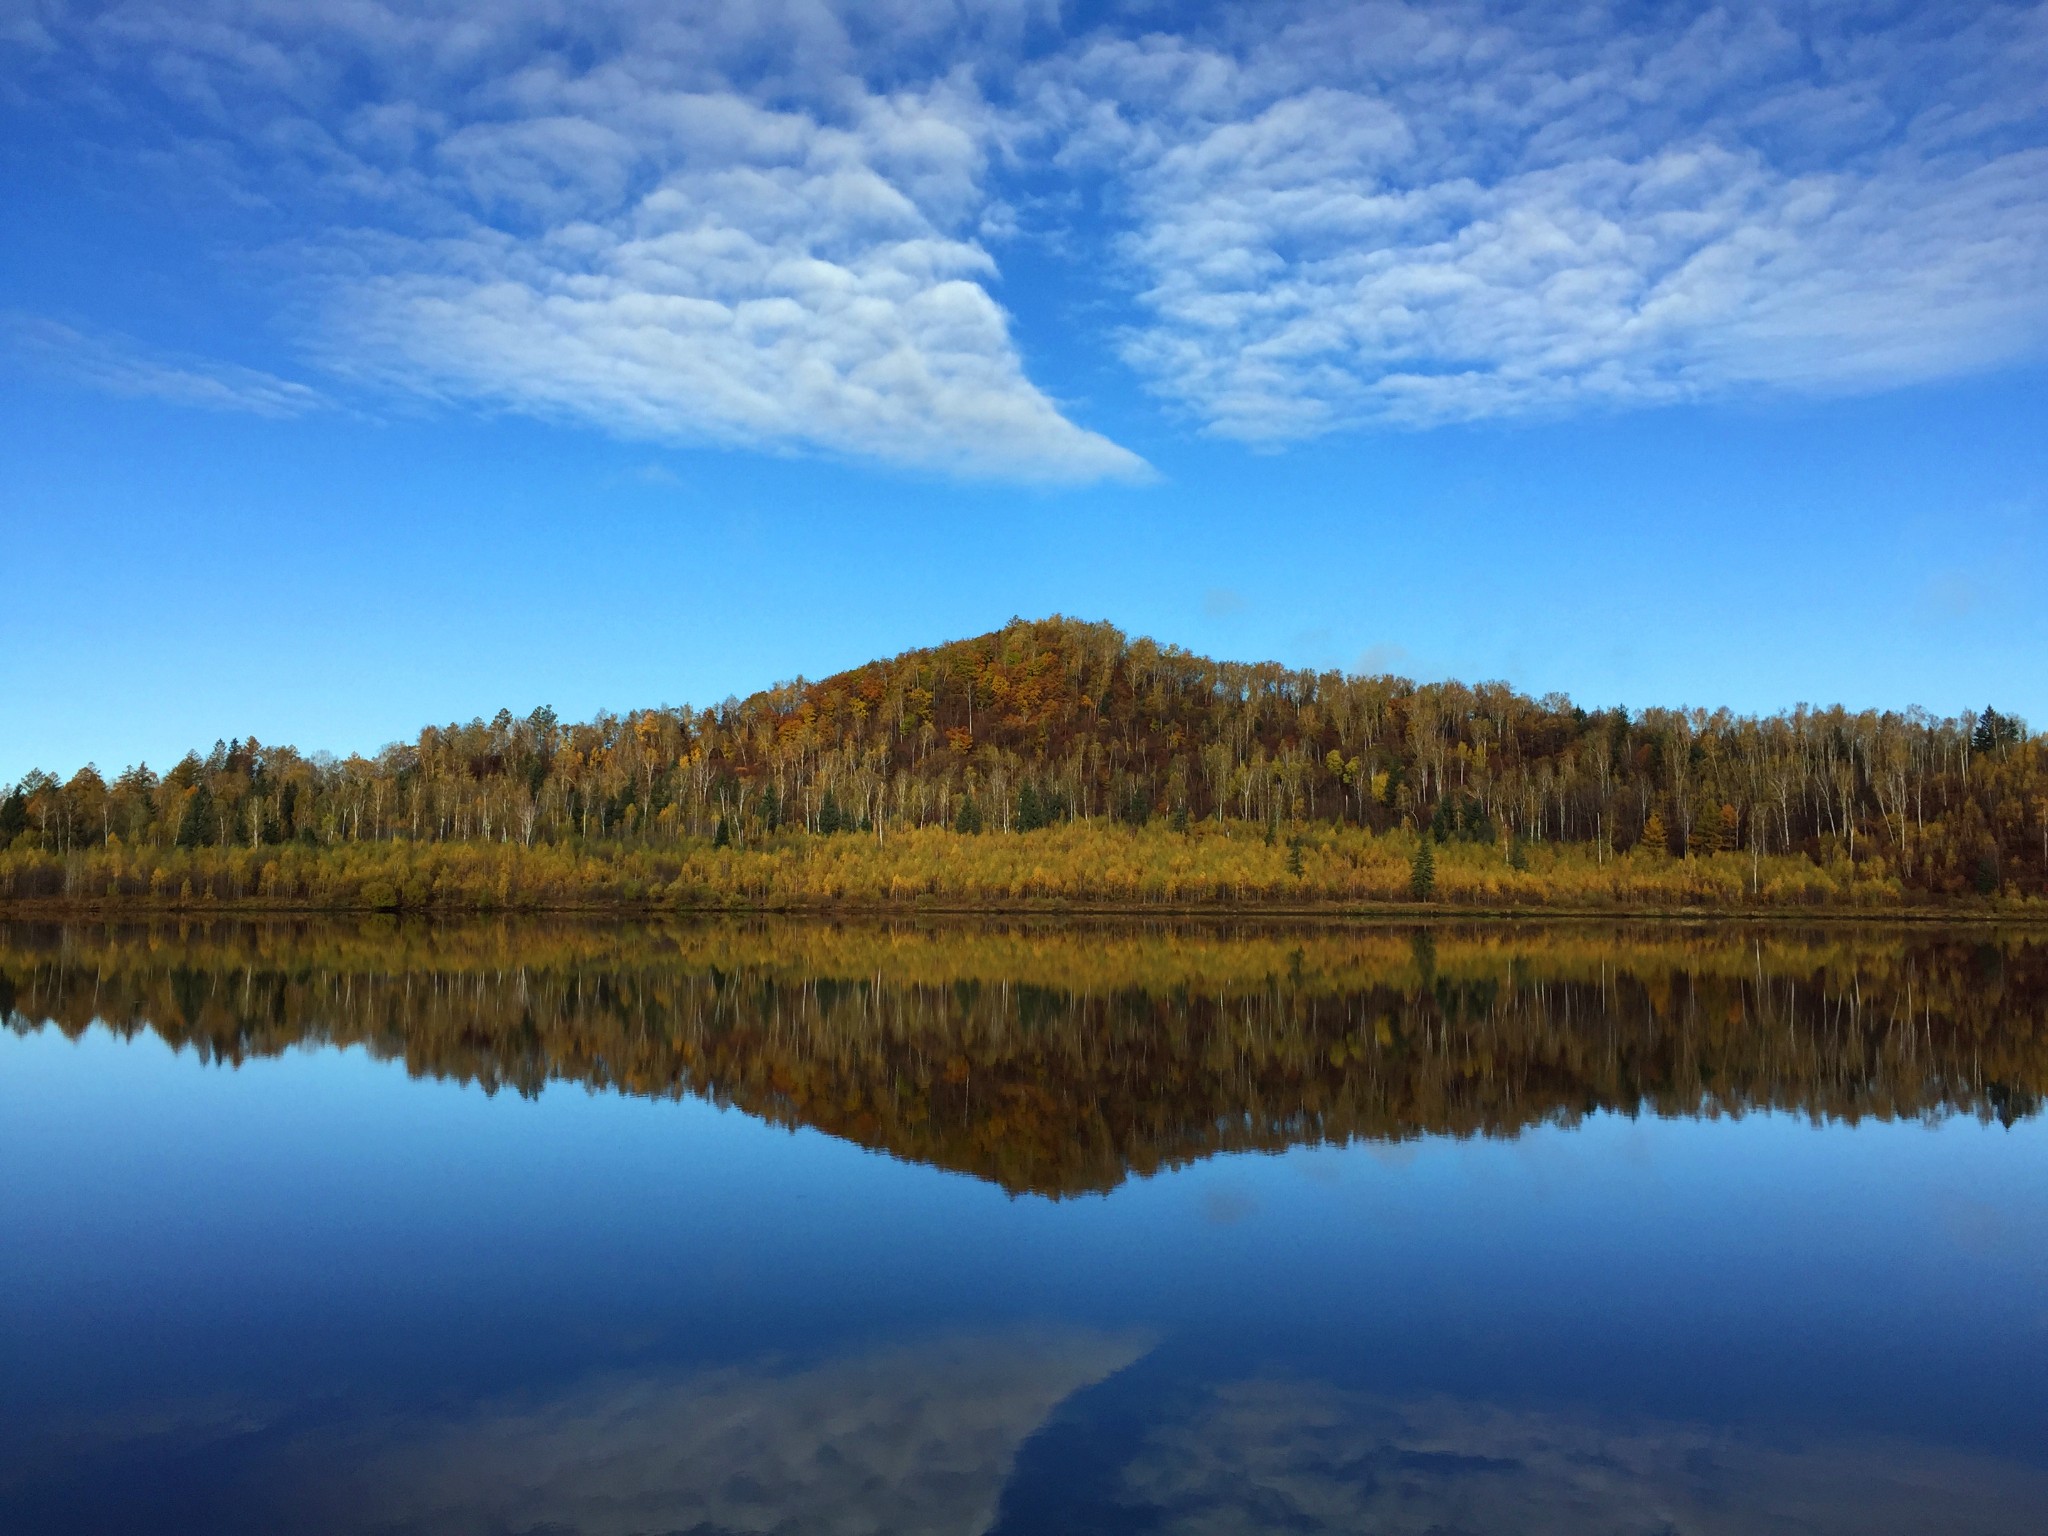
(1058, 723)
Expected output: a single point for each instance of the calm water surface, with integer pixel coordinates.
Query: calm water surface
(800, 1227)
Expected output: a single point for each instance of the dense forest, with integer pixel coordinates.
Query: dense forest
(1064, 1058)
(1203, 781)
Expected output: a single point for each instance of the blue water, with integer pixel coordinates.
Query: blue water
(316, 1292)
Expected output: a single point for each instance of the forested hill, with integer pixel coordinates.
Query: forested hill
(1052, 722)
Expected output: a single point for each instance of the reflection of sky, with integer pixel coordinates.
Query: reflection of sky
(321, 1229)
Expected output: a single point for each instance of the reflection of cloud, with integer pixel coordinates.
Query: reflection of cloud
(185, 1427)
(911, 1441)
(1273, 1456)
(1222, 603)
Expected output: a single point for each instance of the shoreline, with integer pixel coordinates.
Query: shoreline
(2030, 914)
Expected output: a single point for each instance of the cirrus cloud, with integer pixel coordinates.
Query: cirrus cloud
(119, 365)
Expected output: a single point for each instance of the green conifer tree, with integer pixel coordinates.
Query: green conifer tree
(1985, 878)
(195, 826)
(1704, 841)
(1422, 876)
(1443, 826)
(1478, 825)
(13, 817)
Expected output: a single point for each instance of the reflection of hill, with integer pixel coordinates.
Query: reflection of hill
(1061, 1059)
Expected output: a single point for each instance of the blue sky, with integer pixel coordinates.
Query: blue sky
(368, 364)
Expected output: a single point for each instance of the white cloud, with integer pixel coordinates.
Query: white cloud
(1412, 215)
(779, 281)
(686, 223)
(118, 365)
(765, 225)
(22, 27)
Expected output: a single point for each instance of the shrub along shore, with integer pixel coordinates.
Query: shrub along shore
(1221, 866)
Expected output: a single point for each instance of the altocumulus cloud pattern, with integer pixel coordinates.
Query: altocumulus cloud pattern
(781, 225)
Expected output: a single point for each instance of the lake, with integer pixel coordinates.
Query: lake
(949, 1227)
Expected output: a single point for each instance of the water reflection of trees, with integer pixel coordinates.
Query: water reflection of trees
(1063, 1059)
